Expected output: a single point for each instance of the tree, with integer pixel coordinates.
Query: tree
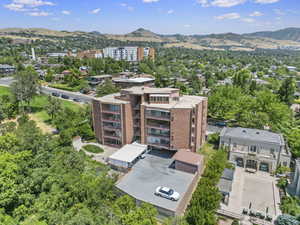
(282, 183)
(286, 220)
(53, 107)
(287, 90)
(107, 88)
(25, 86)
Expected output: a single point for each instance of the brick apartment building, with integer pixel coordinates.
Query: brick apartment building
(158, 117)
(130, 54)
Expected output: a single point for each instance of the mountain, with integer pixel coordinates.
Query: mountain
(288, 38)
(292, 34)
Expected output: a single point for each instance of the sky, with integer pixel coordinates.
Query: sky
(159, 16)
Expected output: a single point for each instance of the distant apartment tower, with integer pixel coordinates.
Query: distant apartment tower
(131, 54)
(158, 117)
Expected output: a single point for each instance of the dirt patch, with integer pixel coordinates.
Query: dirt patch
(41, 124)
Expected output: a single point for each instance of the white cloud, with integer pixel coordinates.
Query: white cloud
(228, 16)
(227, 3)
(256, 13)
(203, 3)
(187, 25)
(171, 11)
(266, 1)
(41, 13)
(221, 3)
(33, 3)
(66, 12)
(15, 7)
(248, 20)
(55, 19)
(125, 5)
(150, 1)
(95, 11)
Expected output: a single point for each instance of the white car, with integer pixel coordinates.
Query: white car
(168, 193)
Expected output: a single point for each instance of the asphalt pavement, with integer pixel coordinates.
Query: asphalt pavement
(7, 81)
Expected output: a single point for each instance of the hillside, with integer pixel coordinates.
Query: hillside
(292, 34)
(282, 39)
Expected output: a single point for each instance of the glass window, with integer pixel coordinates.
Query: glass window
(253, 148)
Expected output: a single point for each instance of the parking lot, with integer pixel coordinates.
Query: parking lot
(153, 171)
(258, 188)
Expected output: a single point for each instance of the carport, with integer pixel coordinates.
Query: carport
(127, 156)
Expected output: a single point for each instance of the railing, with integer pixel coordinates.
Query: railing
(165, 136)
(105, 127)
(111, 119)
(158, 116)
(158, 126)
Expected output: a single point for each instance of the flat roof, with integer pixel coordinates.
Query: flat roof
(253, 135)
(134, 80)
(128, 153)
(101, 76)
(111, 99)
(150, 90)
(225, 186)
(228, 174)
(188, 157)
(184, 102)
(153, 171)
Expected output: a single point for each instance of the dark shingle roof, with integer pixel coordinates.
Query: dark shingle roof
(253, 135)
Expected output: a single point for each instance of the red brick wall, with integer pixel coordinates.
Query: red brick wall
(96, 107)
(180, 128)
(127, 120)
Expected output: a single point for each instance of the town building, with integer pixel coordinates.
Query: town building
(95, 80)
(158, 117)
(90, 54)
(131, 54)
(134, 81)
(7, 69)
(255, 149)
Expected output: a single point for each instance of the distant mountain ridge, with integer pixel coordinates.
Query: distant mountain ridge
(291, 33)
(288, 38)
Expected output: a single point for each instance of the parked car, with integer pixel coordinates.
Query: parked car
(168, 193)
(55, 94)
(77, 100)
(65, 96)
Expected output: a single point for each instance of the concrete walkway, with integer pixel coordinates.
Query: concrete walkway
(99, 157)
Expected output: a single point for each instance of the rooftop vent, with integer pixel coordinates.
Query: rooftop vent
(244, 131)
(257, 132)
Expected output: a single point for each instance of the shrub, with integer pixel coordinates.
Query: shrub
(93, 149)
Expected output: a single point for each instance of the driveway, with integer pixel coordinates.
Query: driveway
(260, 189)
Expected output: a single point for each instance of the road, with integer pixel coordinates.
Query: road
(7, 81)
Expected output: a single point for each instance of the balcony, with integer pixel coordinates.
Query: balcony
(158, 115)
(113, 109)
(111, 126)
(111, 117)
(158, 142)
(158, 126)
(159, 145)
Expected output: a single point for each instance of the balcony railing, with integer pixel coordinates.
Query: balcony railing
(158, 126)
(159, 145)
(165, 136)
(157, 116)
(111, 111)
(108, 127)
(111, 119)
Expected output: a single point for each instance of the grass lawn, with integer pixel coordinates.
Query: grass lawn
(39, 103)
(93, 149)
(4, 91)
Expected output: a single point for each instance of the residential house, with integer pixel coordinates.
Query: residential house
(256, 149)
